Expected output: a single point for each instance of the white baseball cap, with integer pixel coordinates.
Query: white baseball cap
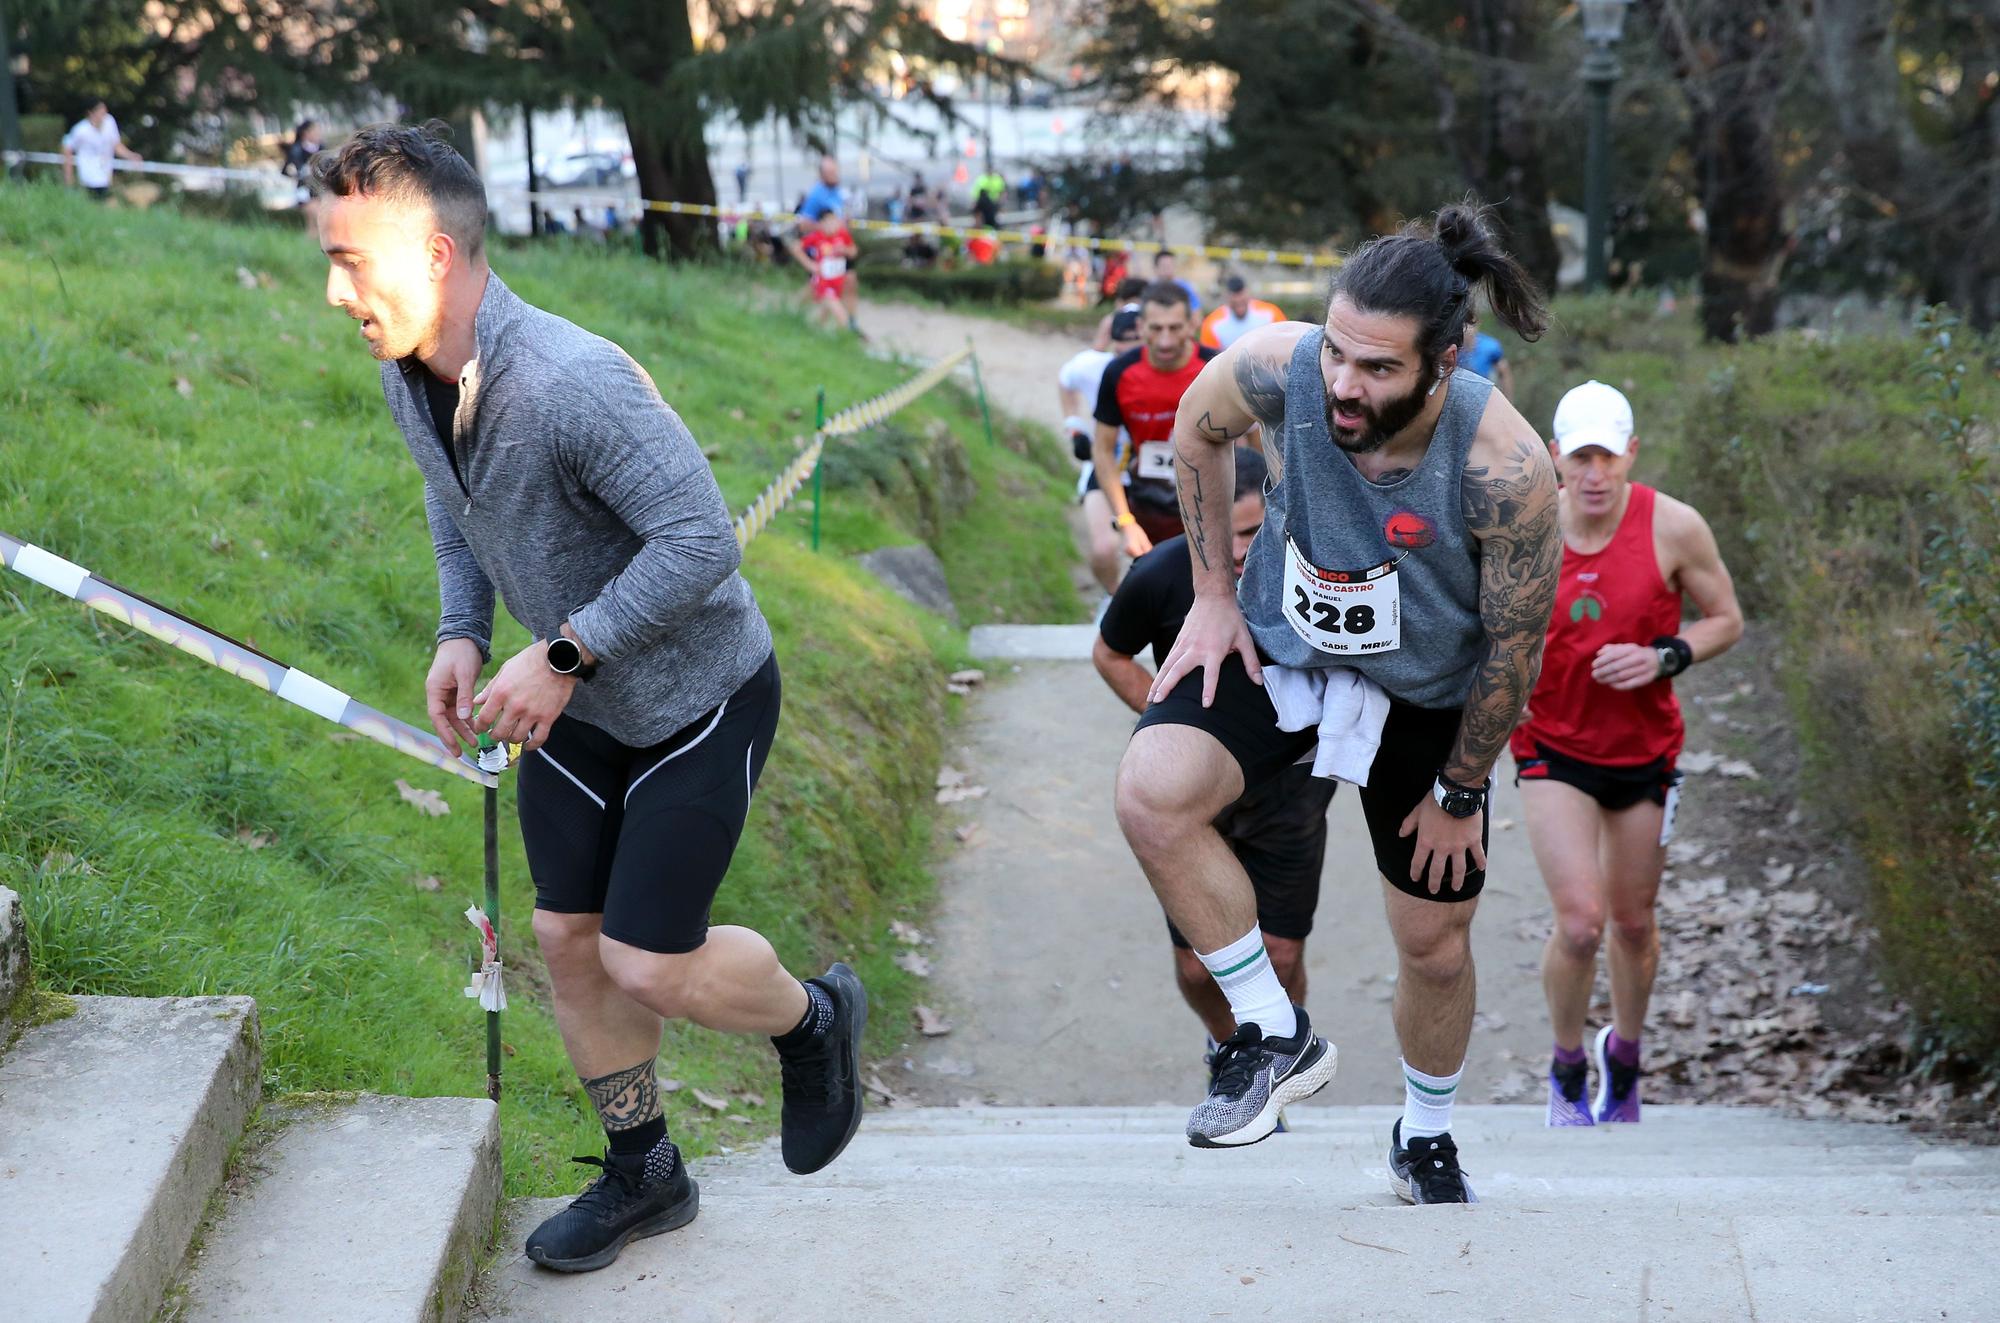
(1594, 414)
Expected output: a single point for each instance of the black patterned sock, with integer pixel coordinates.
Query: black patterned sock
(641, 1138)
(814, 1023)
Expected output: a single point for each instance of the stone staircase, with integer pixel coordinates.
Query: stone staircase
(118, 1123)
(1698, 1214)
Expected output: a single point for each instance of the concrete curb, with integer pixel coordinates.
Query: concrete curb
(13, 959)
(115, 1126)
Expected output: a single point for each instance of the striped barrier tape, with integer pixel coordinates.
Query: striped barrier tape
(856, 418)
(1218, 252)
(239, 659)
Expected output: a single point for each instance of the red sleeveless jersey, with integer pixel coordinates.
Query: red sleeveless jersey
(1615, 596)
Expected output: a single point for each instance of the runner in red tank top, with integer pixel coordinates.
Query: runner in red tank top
(1595, 751)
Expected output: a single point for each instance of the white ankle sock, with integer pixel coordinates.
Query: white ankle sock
(1243, 971)
(1427, 1101)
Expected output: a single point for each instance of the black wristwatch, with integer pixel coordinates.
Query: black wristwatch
(1674, 653)
(1457, 800)
(566, 658)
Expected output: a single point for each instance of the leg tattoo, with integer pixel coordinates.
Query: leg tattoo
(626, 1099)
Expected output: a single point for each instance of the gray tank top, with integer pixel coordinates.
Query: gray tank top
(1381, 578)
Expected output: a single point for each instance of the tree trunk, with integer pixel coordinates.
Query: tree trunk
(1729, 58)
(672, 164)
(1507, 167)
(664, 123)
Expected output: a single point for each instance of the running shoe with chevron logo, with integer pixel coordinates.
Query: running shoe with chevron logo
(1253, 1078)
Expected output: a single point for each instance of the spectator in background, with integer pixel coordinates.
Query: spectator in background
(1127, 296)
(987, 191)
(89, 147)
(1163, 269)
(1117, 266)
(1031, 189)
(1482, 354)
(305, 145)
(742, 182)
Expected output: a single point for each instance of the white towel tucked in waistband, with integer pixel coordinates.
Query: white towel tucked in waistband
(1346, 705)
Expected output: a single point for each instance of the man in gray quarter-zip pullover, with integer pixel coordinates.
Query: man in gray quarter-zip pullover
(555, 474)
(1410, 546)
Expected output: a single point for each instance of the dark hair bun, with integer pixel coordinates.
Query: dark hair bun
(1462, 237)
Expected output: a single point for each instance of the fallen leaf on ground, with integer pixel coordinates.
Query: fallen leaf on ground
(751, 1099)
(907, 932)
(425, 801)
(1505, 824)
(875, 1086)
(958, 794)
(930, 1024)
(1778, 874)
(427, 883)
(1697, 763)
(1247, 1280)
(965, 832)
(913, 963)
(184, 387)
(246, 277)
(709, 1100)
(670, 1086)
(949, 776)
(743, 1120)
(960, 690)
(968, 677)
(1741, 770)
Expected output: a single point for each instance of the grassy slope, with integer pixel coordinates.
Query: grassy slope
(273, 499)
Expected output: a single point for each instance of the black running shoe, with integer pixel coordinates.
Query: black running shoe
(1427, 1171)
(823, 1079)
(629, 1202)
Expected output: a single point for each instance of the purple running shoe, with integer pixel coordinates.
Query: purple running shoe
(1617, 1083)
(1568, 1086)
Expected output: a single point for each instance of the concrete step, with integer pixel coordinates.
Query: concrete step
(13, 960)
(1065, 1213)
(1032, 642)
(368, 1210)
(115, 1125)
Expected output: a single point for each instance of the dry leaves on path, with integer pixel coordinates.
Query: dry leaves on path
(913, 963)
(255, 840)
(907, 933)
(709, 1100)
(425, 801)
(959, 794)
(930, 1024)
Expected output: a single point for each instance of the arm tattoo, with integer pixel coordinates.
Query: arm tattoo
(1210, 430)
(1511, 508)
(1261, 383)
(626, 1099)
(1192, 514)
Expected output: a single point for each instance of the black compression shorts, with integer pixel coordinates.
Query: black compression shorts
(1416, 741)
(644, 836)
(1278, 833)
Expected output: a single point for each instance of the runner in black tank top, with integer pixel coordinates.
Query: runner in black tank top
(1412, 537)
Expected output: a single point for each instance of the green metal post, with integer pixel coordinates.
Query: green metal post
(1600, 71)
(980, 382)
(493, 916)
(819, 422)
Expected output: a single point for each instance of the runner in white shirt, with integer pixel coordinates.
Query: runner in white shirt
(88, 148)
(1078, 383)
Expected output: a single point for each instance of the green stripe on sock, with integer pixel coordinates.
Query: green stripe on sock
(1240, 965)
(1425, 1088)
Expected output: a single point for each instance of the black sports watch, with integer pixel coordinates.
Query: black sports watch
(566, 658)
(1457, 800)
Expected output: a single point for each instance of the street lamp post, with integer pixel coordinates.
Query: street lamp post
(10, 121)
(1603, 25)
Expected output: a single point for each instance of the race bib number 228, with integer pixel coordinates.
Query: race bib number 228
(1345, 613)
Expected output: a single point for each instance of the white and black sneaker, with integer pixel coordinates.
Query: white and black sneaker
(1252, 1078)
(1427, 1171)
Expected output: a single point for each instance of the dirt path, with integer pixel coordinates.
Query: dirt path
(1018, 365)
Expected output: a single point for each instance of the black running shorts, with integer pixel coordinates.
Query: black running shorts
(1416, 741)
(644, 836)
(1614, 788)
(1278, 834)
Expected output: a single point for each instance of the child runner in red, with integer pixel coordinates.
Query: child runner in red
(1596, 749)
(824, 251)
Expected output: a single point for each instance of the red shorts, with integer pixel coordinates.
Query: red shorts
(835, 289)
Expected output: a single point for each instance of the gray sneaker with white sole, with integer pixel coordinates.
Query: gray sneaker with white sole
(1253, 1078)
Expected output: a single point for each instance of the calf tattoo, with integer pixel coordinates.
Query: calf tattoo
(626, 1098)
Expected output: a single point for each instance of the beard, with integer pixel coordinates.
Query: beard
(1377, 425)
